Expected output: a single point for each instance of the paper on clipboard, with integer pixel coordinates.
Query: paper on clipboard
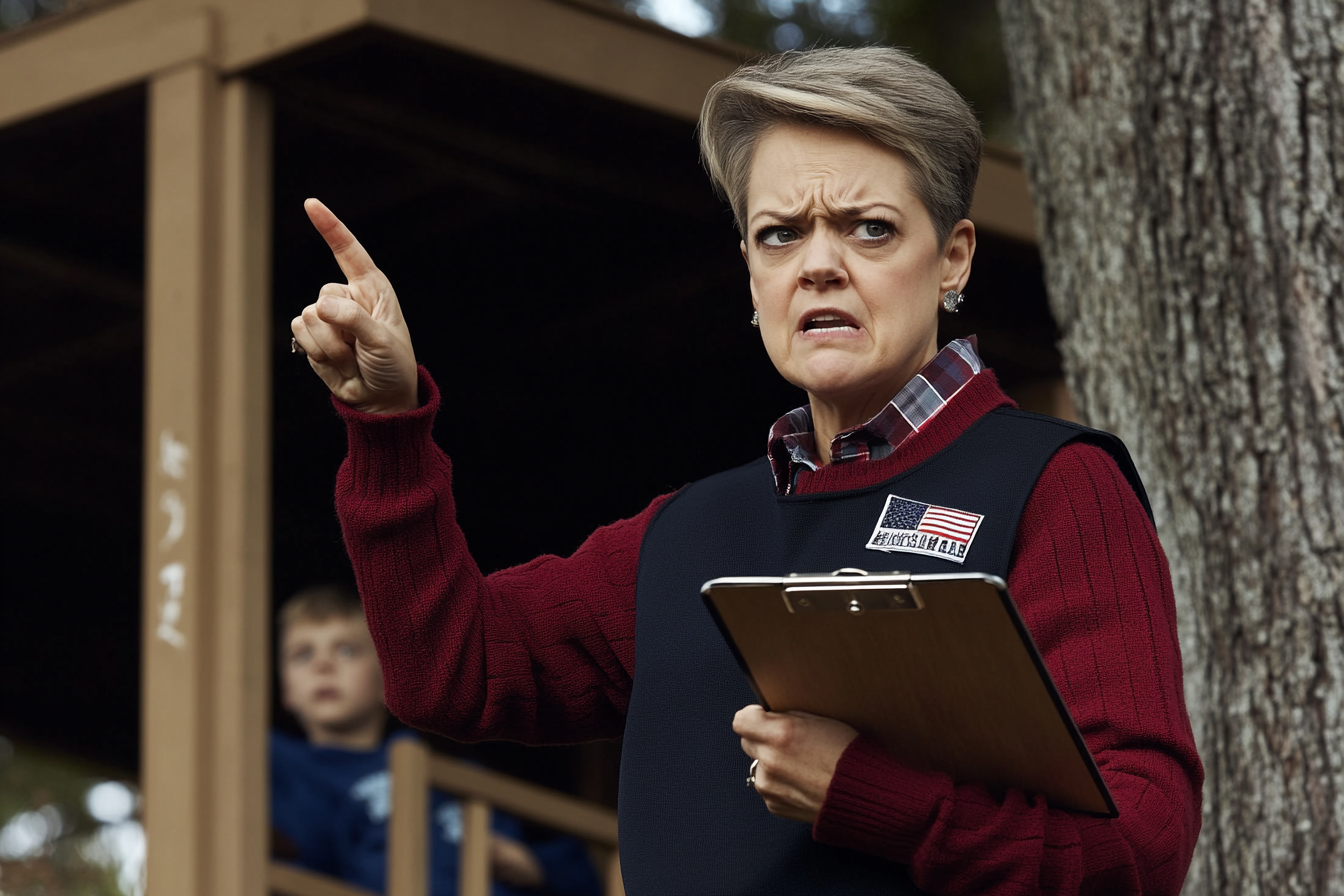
(938, 668)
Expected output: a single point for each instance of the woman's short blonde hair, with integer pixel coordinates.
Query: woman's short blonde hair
(881, 92)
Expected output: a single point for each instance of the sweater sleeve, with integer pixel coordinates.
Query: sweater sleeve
(1092, 585)
(539, 653)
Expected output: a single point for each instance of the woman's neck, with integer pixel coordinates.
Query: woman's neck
(834, 414)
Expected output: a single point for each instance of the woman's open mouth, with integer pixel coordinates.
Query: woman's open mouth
(829, 322)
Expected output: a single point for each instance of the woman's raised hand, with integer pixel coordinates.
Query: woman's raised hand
(354, 334)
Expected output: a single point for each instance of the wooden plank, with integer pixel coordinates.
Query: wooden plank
(98, 52)
(556, 810)
(242, 505)
(1003, 203)
(290, 880)
(615, 884)
(408, 832)
(253, 31)
(474, 873)
(178, 575)
(603, 53)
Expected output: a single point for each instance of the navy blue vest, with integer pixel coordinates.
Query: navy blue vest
(689, 822)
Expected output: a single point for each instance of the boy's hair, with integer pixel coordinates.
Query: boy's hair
(318, 604)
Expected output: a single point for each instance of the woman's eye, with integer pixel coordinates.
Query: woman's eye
(873, 230)
(777, 236)
(346, 651)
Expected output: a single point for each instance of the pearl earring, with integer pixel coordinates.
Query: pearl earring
(952, 300)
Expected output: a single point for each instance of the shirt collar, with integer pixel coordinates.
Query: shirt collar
(792, 445)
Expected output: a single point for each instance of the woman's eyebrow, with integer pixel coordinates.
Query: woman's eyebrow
(777, 215)
(843, 211)
(859, 211)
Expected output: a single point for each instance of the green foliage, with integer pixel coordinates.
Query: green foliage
(49, 841)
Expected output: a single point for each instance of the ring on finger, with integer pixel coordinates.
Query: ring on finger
(751, 773)
(294, 347)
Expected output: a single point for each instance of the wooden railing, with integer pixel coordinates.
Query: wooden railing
(415, 770)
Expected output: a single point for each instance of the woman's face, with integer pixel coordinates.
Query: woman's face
(847, 272)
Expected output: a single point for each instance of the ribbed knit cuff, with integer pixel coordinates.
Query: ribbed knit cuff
(878, 806)
(388, 447)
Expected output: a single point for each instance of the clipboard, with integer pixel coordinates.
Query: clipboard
(938, 668)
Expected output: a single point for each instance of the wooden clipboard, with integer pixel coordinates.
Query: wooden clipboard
(938, 668)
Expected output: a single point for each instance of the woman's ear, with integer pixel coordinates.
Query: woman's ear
(957, 255)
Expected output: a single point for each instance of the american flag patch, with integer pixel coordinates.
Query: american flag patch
(912, 527)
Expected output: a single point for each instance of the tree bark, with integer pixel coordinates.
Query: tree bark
(1186, 158)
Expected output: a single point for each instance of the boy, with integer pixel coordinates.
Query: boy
(329, 794)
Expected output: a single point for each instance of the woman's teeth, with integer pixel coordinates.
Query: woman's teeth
(829, 323)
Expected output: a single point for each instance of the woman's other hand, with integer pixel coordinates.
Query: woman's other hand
(514, 864)
(354, 334)
(797, 753)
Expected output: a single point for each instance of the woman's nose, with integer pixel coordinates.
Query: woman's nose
(823, 265)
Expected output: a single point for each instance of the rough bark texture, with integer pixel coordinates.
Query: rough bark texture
(1186, 158)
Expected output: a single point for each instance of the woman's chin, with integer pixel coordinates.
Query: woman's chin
(836, 377)
(850, 395)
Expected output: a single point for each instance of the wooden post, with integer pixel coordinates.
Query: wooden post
(207, 485)
(242, 502)
(474, 874)
(179, 573)
(615, 884)
(408, 831)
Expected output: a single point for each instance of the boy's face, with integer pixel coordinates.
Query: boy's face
(330, 680)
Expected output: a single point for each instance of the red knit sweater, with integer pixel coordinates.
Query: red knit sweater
(545, 653)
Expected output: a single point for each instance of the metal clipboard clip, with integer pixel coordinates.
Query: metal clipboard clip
(851, 591)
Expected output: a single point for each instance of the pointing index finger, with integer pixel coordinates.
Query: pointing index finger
(350, 255)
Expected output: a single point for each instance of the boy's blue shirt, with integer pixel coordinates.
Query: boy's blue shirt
(333, 803)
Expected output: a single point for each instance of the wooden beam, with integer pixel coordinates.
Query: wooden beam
(565, 813)
(178, 534)
(611, 55)
(242, 496)
(290, 880)
(254, 31)
(96, 53)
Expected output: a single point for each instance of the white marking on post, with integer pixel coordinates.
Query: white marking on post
(174, 579)
(171, 503)
(173, 455)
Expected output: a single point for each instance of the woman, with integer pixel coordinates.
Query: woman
(850, 173)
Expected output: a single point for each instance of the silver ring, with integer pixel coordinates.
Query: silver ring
(751, 773)
(294, 347)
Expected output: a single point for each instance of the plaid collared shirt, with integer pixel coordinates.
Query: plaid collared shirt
(793, 443)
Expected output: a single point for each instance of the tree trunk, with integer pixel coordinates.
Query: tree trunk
(1186, 159)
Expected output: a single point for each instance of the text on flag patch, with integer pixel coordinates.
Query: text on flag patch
(913, 527)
